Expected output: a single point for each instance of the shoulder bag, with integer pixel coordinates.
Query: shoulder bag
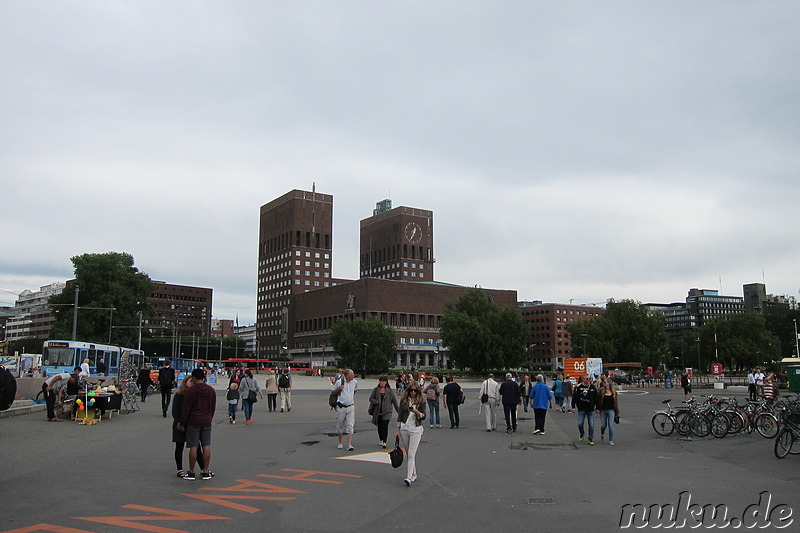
(396, 455)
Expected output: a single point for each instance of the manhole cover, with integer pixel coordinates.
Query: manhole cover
(540, 501)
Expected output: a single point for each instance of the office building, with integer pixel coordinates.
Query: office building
(549, 341)
(295, 240)
(298, 300)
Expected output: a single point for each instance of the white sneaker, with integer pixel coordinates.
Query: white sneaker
(611, 442)
(537, 431)
(340, 447)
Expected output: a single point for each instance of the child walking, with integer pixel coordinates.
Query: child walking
(233, 401)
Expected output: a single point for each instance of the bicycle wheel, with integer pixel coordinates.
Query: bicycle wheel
(682, 423)
(663, 424)
(40, 398)
(767, 425)
(699, 425)
(719, 425)
(784, 443)
(736, 421)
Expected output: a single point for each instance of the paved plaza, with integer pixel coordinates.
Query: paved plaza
(284, 472)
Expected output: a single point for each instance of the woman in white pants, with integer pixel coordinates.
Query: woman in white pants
(410, 428)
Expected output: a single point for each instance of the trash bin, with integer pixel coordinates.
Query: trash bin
(793, 376)
(668, 382)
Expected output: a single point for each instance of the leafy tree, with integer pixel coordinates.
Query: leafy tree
(738, 341)
(481, 334)
(26, 345)
(627, 331)
(205, 347)
(104, 281)
(349, 336)
(780, 321)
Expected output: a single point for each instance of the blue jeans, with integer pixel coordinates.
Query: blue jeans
(232, 407)
(433, 413)
(525, 401)
(248, 409)
(582, 415)
(607, 421)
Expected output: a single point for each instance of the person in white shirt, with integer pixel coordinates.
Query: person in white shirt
(409, 427)
(84, 369)
(489, 388)
(751, 385)
(346, 386)
(759, 377)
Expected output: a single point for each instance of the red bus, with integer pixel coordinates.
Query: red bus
(293, 365)
(242, 362)
(247, 362)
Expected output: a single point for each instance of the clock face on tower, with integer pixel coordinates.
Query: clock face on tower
(413, 232)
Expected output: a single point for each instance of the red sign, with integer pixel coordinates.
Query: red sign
(716, 369)
(575, 367)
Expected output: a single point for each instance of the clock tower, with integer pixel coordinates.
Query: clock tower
(397, 243)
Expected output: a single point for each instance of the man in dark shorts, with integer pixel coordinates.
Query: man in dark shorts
(686, 383)
(196, 418)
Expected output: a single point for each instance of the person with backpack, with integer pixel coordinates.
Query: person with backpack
(285, 389)
(166, 380)
(558, 392)
(8, 388)
(144, 381)
(345, 389)
(432, 395)
(271, 386)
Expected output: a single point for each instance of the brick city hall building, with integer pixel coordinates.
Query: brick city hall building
(299, 300)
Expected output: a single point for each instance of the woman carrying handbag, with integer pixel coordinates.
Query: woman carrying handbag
(381, 402)
(249, 391)
(410, 428)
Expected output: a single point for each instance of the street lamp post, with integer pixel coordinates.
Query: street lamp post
(364, 368)
(585, 336)
(697, 341)
(75, 315)
(796, 340)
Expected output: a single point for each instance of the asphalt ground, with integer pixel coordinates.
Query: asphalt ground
(285, 472)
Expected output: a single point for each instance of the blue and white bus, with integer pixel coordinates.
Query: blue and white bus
(64, 356)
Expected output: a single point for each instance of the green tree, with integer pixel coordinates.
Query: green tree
(26, 345)
(481, 334)
(105, 281)
(349, 336)
(738, 341)
(780, 321)
(627, 331)
(212, 349)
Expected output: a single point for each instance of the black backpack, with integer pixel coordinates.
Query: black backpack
(283, 381)
(8, 388)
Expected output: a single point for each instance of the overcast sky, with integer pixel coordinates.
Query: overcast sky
(572, 151)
